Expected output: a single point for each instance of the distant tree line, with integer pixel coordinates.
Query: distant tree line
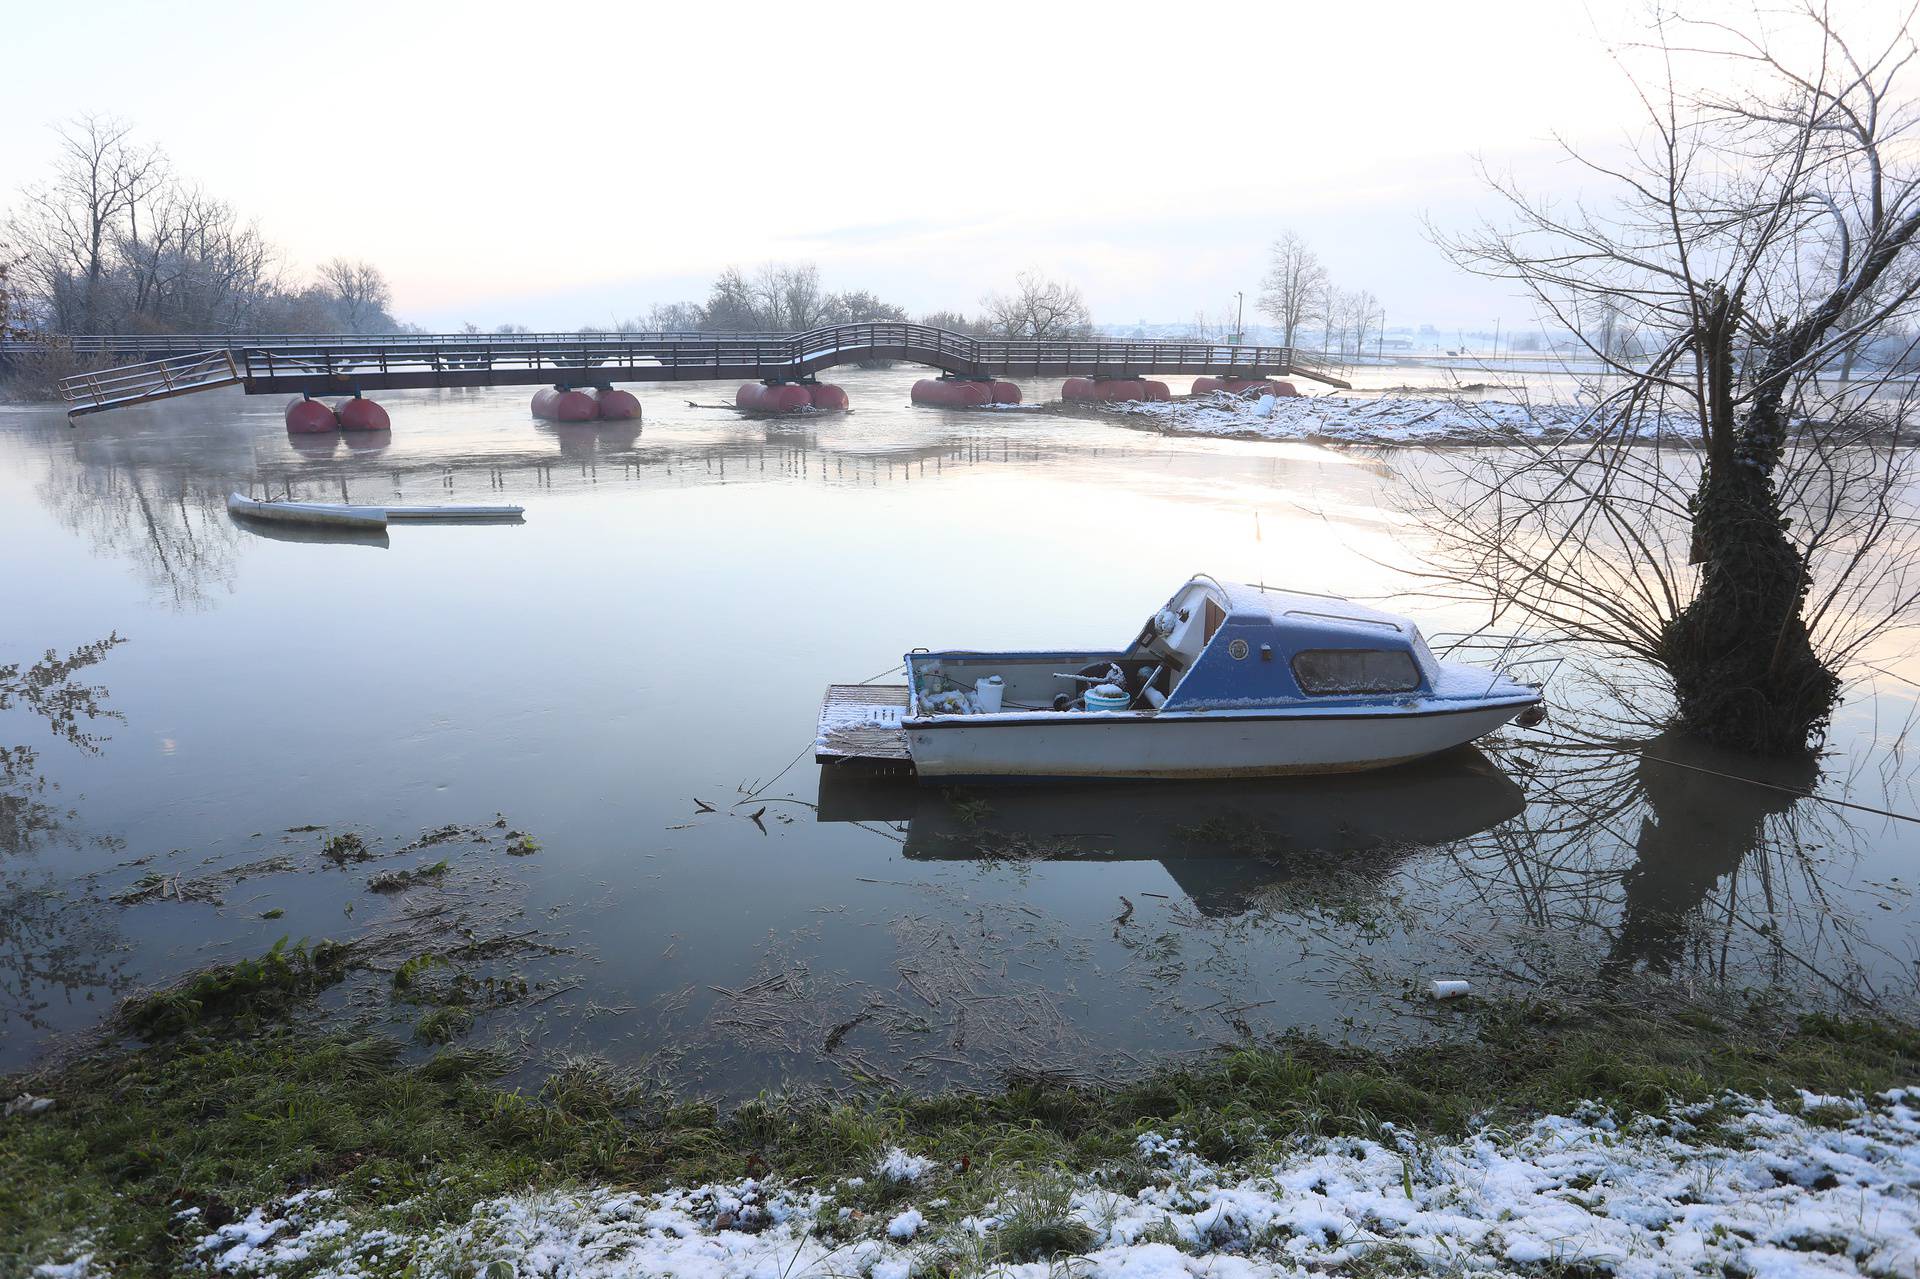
(788, 298)
(115, 241)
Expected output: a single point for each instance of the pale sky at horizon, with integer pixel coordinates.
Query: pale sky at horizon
(578, 162)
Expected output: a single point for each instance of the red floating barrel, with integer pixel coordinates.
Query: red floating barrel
(1006, 393)
(828, 398)
(952, 393)
(1260, 386)
(1112, 389)
(614, 405)
(358, 414)
(1243, 386)
(310, 417)
(555, 405)
(777, 397)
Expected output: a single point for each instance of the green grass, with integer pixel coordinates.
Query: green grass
(234, 1105)
(394, 881)
(250, 989)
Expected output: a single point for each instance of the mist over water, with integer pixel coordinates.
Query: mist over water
(655, 640)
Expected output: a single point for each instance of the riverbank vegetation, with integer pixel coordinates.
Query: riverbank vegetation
(114, 239)
(227, 1095)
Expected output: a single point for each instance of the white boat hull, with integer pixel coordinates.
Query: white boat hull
(319, 514)
(1219, 744)
(351, 516)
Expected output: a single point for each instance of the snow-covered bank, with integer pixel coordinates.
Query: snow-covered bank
(1825, 1187)
(1368, 420)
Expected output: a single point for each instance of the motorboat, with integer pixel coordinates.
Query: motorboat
(1226, 680)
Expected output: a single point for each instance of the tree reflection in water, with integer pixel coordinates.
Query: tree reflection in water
(51, 939)
(1668, 858)
(1533, 867)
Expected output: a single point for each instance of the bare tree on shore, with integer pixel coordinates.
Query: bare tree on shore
(1294, 281)
(9, 265)
(69, 226)
(359, 290)
(1038, 307)
(1748, 237)
(115, 241)
(1364, 317)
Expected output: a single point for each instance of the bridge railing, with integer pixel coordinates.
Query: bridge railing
(441, 359)
(153, 380)
(870, 334)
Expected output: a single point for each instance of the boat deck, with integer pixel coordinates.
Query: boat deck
(861, 723)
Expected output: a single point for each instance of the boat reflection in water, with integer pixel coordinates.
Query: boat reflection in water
(311, 532)
(1222, 842)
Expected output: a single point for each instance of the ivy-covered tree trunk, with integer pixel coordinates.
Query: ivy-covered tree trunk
(1743, 665)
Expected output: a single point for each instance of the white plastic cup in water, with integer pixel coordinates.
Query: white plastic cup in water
(988, 691)
(1447, 989)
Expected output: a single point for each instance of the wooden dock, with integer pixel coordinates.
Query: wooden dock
(860, 723)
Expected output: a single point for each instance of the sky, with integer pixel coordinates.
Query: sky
(573, 163)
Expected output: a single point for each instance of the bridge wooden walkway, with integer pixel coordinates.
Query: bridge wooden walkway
(262, 364)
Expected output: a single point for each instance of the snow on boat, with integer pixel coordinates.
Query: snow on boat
(1225, 681)
(349, 515)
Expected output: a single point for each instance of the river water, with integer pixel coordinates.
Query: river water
(553, 708)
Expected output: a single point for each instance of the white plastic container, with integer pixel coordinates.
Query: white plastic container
(988, 691)
(1107, 697)
(1447, 988)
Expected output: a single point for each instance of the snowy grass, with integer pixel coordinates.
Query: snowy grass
(1772, 1193)
(1374, 420)
(249, 1144)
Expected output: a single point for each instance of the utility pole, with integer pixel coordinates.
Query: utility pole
(1240, 318)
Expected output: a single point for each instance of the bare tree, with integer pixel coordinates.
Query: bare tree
(1329, 308)
(9, 304)
(1744, 231)
(193, 265)
(1364, 318)
(68, 227)
(360, 293)
(1294, 282)
(1038, 307)
(955, 322)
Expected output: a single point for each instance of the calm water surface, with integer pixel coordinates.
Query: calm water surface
(654, 641)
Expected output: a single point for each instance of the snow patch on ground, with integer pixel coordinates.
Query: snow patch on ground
(1377, 420)
(1831, 1190)
(898, 1165)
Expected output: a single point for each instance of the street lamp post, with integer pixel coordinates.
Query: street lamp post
(1239, 318)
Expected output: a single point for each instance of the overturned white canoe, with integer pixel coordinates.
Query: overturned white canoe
(348, 515)
(454, 514)
(327, 514)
